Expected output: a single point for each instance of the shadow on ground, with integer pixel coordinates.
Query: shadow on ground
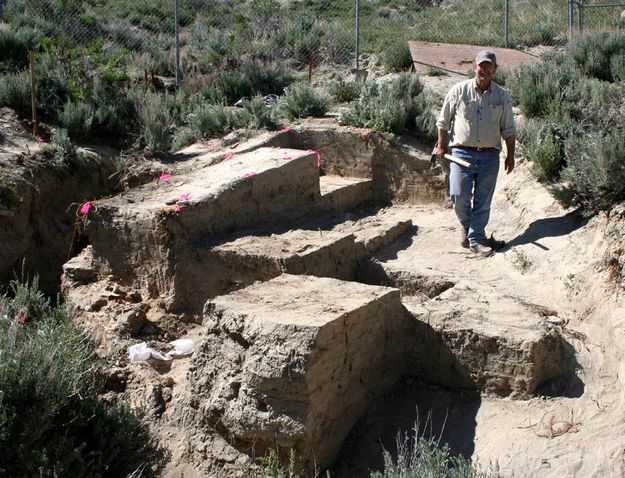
(439, 413)
(549, 227)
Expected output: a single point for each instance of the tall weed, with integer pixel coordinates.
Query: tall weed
(419, 456)
(156, 122)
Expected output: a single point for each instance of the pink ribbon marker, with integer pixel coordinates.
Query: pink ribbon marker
(318, 156)
(183, 197)
(228, 156)
(21, 319)
(165, 175)
(286, 130)
(367, 134)
(286, 157)
(40, 139)
(177, 208)
(252, 174)
(85, 208)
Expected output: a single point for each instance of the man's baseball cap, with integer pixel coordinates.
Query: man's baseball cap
(486, 55)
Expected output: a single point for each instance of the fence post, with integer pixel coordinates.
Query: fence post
(506, 23)
(570, 25)
(580, 15)
(177, 44)
(357, 39)
(33, 91)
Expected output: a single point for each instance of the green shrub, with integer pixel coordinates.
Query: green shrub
(301, 101)
(156, 122)
(544, 145)
(215, 120)
(300, 40)
(14, 47)
(252, 79)
(184, 137)
(15, 92)
(419, 458)
(228, 88)
(267, 79)
(434, 71)
(536, 86)
(77, 119)
(51, 422)
(116, 115)
(260, 115)
(344, 92)
(595, 178)
(395, 107)
(617, 66)
(397, 56)
(60, 144)
(594, 52)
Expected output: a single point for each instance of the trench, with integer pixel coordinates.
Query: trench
(353, 236)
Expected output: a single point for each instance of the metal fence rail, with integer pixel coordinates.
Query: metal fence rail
(595, 15)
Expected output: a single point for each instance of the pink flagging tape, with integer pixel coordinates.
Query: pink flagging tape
(286, 157)
(165, 175)
(177, 208)
(287, 130)
(252, 174)
(85, 208)
(184, 197)
(318, 156)
(228, 156)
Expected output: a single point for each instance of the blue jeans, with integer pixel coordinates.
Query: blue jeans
(471, 190)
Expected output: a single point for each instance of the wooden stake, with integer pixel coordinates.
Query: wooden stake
(33, 93)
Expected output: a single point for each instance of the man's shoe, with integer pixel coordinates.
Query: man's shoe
(462, 235)
(482, 250)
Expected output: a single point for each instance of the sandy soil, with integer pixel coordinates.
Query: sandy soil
(554, 258)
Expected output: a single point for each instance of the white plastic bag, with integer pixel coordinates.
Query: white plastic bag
(182, 347)
(139, 352)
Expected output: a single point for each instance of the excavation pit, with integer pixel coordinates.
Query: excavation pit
(321, 287)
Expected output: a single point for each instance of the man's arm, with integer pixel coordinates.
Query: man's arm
(441, 146)
(509, 162)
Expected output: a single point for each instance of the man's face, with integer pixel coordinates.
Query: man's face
(485, 71)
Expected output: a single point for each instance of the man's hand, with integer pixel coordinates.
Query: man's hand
(441, 151)
(509, 164)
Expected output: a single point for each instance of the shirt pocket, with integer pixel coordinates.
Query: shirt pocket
(467, 109)
(494, 113)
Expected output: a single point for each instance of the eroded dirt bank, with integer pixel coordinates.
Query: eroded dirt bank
(40, 196)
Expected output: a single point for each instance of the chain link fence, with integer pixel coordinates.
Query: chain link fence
(201, 36)
(596, 15)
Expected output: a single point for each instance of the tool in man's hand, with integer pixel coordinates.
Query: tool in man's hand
(459, 161)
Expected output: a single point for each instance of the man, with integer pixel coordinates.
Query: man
(475, 116)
